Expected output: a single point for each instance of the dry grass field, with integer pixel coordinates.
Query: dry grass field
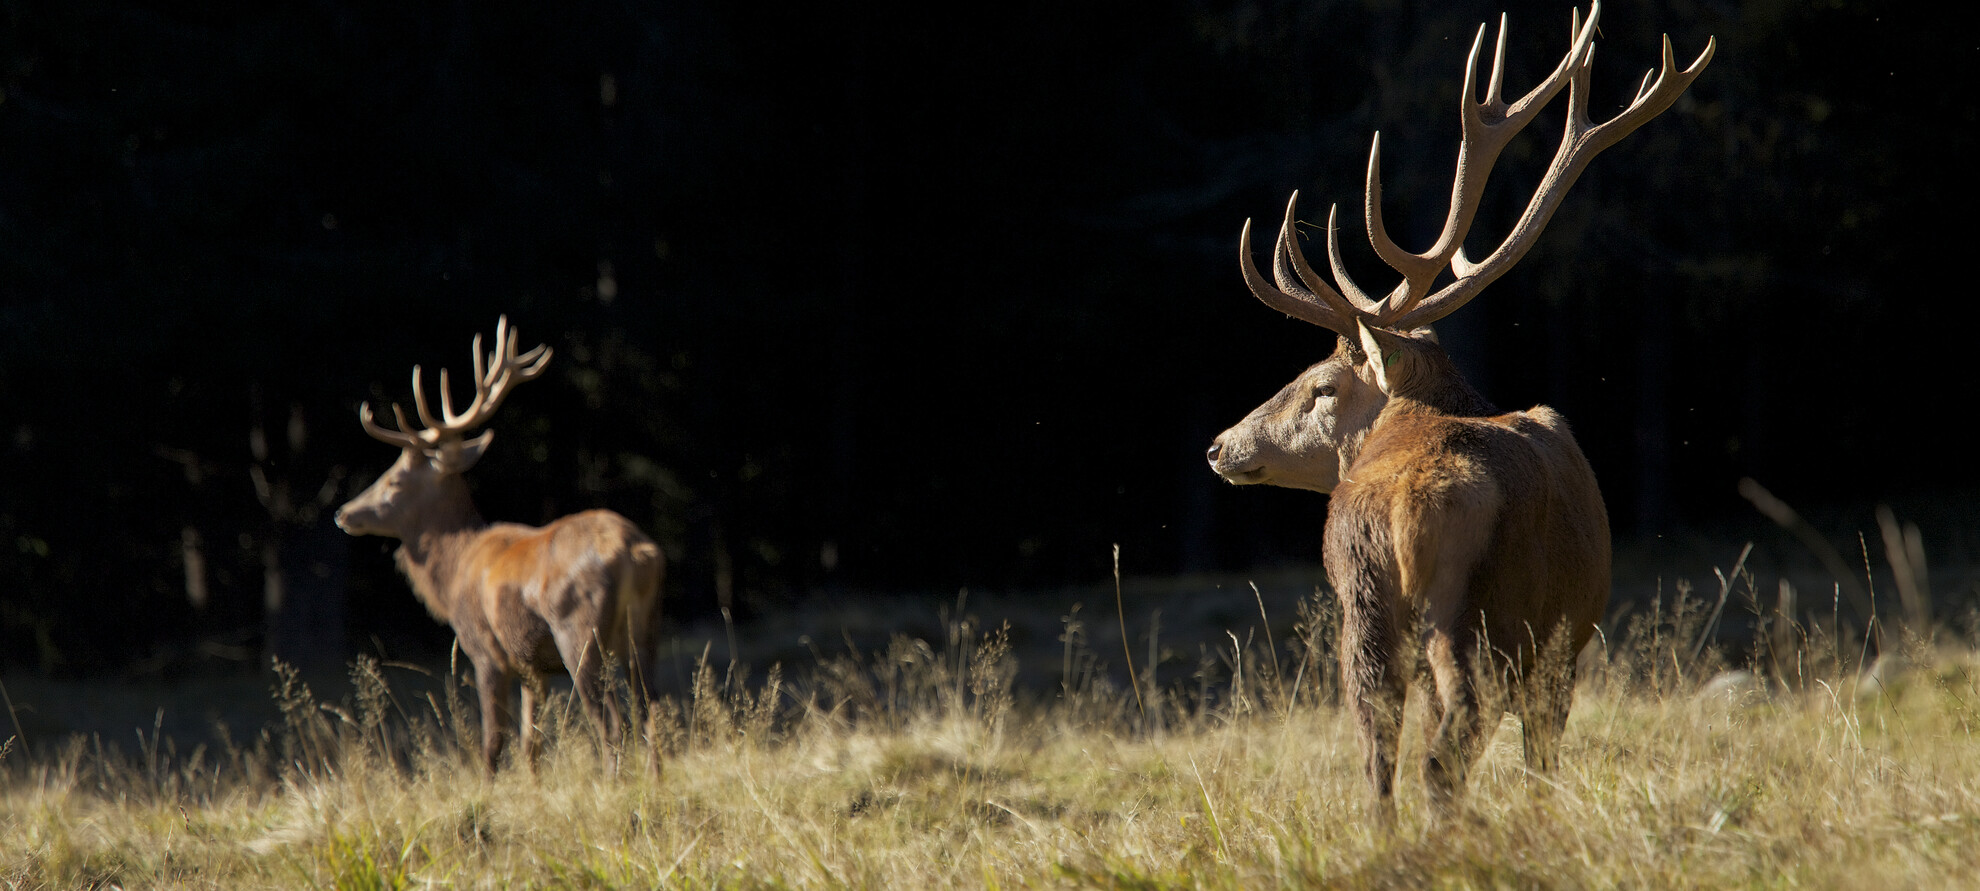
(921, 764)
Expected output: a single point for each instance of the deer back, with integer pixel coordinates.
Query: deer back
(589, 577)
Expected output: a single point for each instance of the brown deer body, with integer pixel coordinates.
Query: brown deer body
(523, 601)
(1473, 539)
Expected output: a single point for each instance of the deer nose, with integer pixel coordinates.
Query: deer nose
(1216, 449)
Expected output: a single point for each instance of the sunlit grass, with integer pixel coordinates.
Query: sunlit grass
(920, 766)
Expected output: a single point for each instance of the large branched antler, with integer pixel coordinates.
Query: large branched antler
(1487, 127)
(493, 377)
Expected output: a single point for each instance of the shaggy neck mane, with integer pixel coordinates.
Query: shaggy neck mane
(1452, 396)
(1442, 390)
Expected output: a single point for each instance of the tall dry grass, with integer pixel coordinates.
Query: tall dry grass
(1786, 764)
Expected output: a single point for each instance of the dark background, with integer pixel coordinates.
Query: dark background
(865, 297)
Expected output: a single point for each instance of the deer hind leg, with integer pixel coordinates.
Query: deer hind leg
(1459, 734)
(1435, 566)
(492, 687)
(1375, 687)
(533, 694)
(1425, 682)
(1546, 693)
(585, 659)
(1542, 719)
(639, 710)
(638, 591)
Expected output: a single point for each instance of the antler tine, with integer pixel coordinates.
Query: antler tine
(493, 377)
(1492, 87)
(505, 369)
(419, 401)
(1581, 37)
(480, 367)
(397, 437)
(452, 421)
(1580, 143)
(1652, 98)
(418, 437)
(542, 355)
(468, 417)
(1420, 270)
(1319, 306)
(1364, 305)
(449, 424)
(1412, 267)
(528, 365)
(499, 353)
(503, 360)
(1289, 261)
(1488, 126)
(446, 397)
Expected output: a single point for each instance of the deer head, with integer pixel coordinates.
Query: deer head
(424, 487)
(1307, 435)
(1304, 436)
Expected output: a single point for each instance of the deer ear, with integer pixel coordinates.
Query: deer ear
(1394, 359)
(458, 456)
(1383, 352)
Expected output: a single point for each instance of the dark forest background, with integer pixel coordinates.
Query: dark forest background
(863, 297)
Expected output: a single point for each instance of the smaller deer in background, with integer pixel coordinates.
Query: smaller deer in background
(523, 601)
(1474, 539)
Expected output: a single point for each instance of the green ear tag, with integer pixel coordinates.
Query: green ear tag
(1390, 359)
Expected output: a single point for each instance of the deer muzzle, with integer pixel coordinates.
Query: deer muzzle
(1235, 459)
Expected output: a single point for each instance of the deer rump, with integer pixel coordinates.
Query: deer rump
(1487, 538)
(535, 589)
(1424, 516)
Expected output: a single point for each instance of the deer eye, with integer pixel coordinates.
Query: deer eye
(1324, 391)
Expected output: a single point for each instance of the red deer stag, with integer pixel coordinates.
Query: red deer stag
(522, 600)
(1482, 532)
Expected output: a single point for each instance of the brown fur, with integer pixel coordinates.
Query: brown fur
(1484, 533)
(523, 601)
(1475, 539)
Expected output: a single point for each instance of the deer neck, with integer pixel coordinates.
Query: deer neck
(1449, 395)
(1445, 394)
(431, 558)
(1350, 448)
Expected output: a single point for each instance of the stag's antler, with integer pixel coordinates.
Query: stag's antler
(1488, 126)
(493, 377)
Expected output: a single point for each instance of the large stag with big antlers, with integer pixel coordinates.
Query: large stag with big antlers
(1474, 539)
(523, 601)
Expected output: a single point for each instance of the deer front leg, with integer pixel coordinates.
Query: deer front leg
(532, 735)
(492, 684)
